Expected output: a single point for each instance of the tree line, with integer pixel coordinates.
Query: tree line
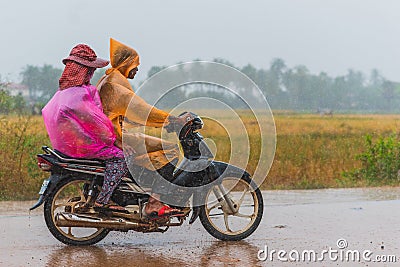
(285, 88)
(299, 90)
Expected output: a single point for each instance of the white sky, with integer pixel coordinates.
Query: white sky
(324, 35)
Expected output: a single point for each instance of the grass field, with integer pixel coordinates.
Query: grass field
(314, 151)
(311, 151)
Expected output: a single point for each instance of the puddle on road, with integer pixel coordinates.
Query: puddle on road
(106, 256)
(209, 254)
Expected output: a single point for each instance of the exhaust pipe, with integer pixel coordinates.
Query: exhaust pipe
(65, 219)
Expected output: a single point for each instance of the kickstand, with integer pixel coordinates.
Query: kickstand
(140, 202)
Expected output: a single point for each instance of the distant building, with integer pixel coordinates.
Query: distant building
(17, 88)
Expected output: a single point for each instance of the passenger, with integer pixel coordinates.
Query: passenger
(76, 123)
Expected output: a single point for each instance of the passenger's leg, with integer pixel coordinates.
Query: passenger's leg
(115, 169)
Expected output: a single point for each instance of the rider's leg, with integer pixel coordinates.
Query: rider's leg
(161, 187)
(158, 156)
(151, 152)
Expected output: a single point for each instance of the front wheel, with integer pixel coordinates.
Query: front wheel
(68, 195)
(233, 209)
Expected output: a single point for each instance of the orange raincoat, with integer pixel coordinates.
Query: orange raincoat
(116, 95)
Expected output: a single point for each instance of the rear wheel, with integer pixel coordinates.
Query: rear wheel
(235, 220)
(67, 196)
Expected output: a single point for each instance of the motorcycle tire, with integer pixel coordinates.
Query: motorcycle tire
(57, 232)
(218, 232)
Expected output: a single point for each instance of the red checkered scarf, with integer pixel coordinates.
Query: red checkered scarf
(75, 75)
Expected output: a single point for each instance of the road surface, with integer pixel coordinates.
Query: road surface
(295, 222)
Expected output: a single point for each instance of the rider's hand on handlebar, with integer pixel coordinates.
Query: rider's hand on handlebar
(175, 123)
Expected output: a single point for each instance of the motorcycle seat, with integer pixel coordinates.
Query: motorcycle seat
(67, 159)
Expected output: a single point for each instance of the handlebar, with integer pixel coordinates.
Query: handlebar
(186, 122)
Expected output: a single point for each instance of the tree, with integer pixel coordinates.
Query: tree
(389, 93)
(296, 88)
(277, 67)
(19, 104)
(5, 102)
(297, 83)
(155, 69)
(355, 86)
(274, 81)
(9, 103)
(225, 62)
(250, 71)
(376, 78)
(41, 81)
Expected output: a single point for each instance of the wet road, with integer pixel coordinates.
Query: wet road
(367, 219)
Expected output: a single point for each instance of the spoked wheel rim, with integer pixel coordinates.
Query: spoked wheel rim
(245, 207)
(67, 199)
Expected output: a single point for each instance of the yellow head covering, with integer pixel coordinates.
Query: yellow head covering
(123, 58)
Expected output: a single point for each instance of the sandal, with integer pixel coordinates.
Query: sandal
(165, 212)
(109, 207)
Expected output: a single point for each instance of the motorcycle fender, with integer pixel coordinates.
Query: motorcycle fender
(48, 186)
(222, 169)
(215, 170)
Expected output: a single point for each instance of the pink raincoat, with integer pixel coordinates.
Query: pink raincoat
(77, 126)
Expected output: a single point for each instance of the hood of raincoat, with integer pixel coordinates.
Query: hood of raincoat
(123, 58)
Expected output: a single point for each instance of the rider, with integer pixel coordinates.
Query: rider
(76, 123)
(120, 102)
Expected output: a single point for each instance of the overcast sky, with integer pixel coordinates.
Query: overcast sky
(324, 35)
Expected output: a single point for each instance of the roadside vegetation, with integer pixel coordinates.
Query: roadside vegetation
(312, 151)
(335, 151)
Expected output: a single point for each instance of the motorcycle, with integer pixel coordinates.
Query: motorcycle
(229, 204)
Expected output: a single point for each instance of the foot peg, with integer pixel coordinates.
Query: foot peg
(195, 214)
